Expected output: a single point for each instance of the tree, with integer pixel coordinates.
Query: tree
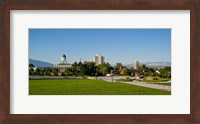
(63, 74)
(31, 65)
(118, 64)
(167, 68)
(74, 66)
(31, 71)
(90, 68)
(104, 68)
(47, 71)
(68, 71)
(150, 71)
(55, 72)
(37, 72)
(165, 72)
(80, 64)
(143, 68)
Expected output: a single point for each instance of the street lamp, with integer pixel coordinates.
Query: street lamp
(96, 74)
(111, 73)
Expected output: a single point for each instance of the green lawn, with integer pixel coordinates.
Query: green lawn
(88, 87)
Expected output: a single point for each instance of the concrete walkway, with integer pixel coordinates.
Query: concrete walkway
(155, 86)
(135, 82)
(109, 79)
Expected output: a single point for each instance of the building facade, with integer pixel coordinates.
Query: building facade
(136, 65)
(98, 59)
(62, 65)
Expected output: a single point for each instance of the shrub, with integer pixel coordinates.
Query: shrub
(155, 78)
(127, 78)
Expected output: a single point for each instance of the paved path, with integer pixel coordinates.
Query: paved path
(135, 82)
(155, 86)
(109, 79)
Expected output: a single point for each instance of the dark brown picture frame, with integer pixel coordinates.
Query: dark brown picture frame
(7, 5)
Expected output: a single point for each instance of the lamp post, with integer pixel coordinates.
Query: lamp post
(111, 73)
(96, 74)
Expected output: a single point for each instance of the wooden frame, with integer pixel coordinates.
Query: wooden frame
(7, 5)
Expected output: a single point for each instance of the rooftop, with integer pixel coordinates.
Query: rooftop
(64, 64)
(63, 55)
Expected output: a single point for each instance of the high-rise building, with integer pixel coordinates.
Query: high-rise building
(99, 59)
(136, 65)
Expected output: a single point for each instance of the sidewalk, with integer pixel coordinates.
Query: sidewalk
(155, 86)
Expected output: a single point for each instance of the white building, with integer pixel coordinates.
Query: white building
(136, 65)
(63, 65)
(63, 59)
(99, 59)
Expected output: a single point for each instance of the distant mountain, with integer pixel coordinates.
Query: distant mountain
(152, 64)
(129, 65)
(158, 64)
(39, 63)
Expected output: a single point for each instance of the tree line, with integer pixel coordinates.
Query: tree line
(90, 69)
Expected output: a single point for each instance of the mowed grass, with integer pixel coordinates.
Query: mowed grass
(88, 87)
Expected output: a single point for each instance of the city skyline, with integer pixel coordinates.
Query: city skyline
(116, 45)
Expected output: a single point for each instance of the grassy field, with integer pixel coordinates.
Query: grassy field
(88, 87)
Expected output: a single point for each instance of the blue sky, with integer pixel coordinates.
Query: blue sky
(116, 45)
